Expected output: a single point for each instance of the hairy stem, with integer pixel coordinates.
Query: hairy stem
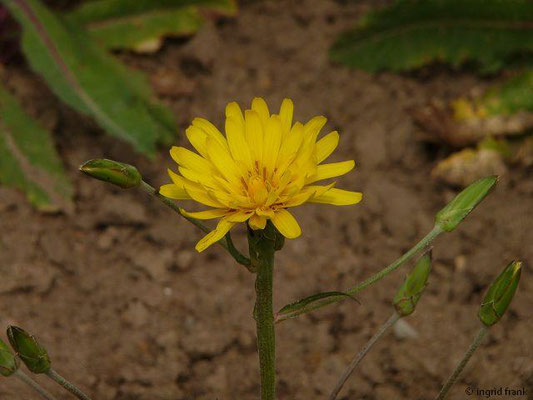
(262, 248)
(34, 385)
(67, 385)
(225, 242)
(453, 377)
(355, 362)
(423, 243)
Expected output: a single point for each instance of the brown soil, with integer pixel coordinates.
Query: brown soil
(127, 308)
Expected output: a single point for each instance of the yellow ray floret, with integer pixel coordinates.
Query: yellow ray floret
(263, 165)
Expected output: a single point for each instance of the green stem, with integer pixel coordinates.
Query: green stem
(225, 242)
(34, 385)
(453, 377)
(423, 243)
(364, 351)
(262, 248)
(67, 385)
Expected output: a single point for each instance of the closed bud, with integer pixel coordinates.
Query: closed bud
(500, 294)
(32, 354)
(122, 175)
(411, 290)
(456, 210)
(8, 362)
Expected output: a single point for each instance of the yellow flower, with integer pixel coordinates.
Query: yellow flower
(264, 165)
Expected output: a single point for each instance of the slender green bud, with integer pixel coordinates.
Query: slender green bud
(32, 354)
(8, 363)
(411, 290)
(122, 175)
(500, 294)
(456, 210)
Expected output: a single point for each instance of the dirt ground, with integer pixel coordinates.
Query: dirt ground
(129, 310)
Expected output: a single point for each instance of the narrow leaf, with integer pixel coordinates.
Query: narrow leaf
(411, 33)
(303, 303)
(88, 79)
(141, 25)
(28, 159)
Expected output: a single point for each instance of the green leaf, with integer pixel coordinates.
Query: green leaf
(512, 96)
(141, 24)
(88, 79)
(304, 303)
(412, 33)
(28, 159)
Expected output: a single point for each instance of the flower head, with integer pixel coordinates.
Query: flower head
(264, 165)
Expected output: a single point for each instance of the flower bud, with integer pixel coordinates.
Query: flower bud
(122, 175)
(8, 362)
(411, 290)
(456, 210)
(500, 294)
(32, 354)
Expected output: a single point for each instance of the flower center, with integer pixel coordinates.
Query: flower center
(258, 189)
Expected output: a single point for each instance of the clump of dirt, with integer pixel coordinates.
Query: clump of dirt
(128, 310)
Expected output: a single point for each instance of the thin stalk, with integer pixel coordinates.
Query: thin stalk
(225, 242)
(262, 256)
(34, 385)
(355, 362)
(423, 243)
(453, 377)
(67, 385)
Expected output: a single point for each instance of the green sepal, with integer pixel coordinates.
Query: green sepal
(500, 294)
(29, 350)
(456, 210)
(411, 290)
(122, 175)
(8, 363)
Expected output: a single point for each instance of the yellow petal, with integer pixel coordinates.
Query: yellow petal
(190, 160)
(289, 148)
(300, 198)
(237, 142)
(222, 228)
(223, 161)
(234, 111)
(260, 107)
(196, 191)
(257, 222)
(326, 146)
(197, 137)
(254, 134)
(211, 130)
(313, 127)
(265, 213)
(207, 214)
(319, 190)
(338, 197)
(285, 114)
(272, 142)
(239, 216)
(326, 171)
(231, 200)
(286, 224)
(206, 180)
(178, 180)
(174, 192)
